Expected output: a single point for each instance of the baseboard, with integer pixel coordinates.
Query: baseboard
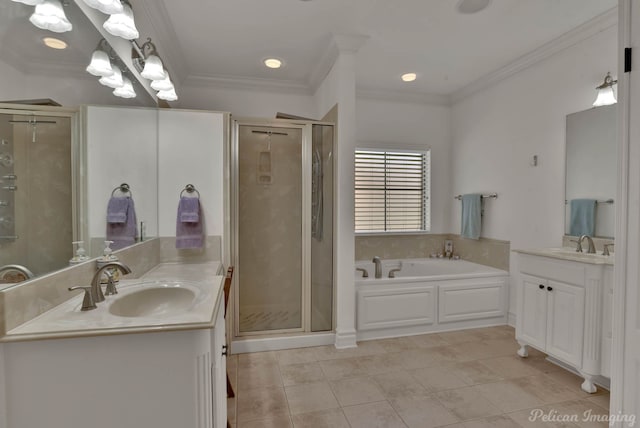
(346, 339)
(244, 345)
(511, 319)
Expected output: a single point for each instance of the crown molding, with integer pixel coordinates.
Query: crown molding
(590, 28)
(249, 84)
(339, 44)
(422, 98)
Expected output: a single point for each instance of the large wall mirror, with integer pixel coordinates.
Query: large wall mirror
(59, 166)
(591, 166)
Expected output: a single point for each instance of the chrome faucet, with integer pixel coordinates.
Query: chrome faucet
(365, 274)
(376, 260)
(592, 248)
(23, 270)
(96, 289)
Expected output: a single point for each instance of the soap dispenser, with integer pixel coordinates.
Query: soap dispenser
(108, 257)
(80, 255)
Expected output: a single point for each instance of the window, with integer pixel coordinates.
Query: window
(392, 191)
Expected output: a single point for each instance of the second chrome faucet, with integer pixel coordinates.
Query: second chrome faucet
(93, 293)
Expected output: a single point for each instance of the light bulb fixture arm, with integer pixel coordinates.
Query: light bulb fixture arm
(608, 82)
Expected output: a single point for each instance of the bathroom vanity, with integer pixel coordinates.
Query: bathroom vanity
(564, 309)
(67, 368)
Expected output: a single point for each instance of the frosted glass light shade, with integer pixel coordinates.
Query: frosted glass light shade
(49, 15)
(122, 24)
(605, 97)
(115, 80)
(100, 64)
(169, 95)
(109, 7)
(163, 85)
(29, 2)
(126, 91)
(153, 68)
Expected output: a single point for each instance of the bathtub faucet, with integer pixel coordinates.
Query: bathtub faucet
(376, 260)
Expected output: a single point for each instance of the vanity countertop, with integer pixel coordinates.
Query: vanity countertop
(66, 320)
(570, 254)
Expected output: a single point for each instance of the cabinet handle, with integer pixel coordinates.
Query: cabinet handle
(224, 350)
(550, 288)
(541, 287)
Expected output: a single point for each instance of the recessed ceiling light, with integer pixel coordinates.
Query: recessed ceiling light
(409, 77)
(472, 6)
(273, 63)
(54, 43)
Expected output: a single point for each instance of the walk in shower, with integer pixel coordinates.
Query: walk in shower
(283, 227)
(36, 190)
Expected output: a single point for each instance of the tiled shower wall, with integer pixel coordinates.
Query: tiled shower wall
(489, 252)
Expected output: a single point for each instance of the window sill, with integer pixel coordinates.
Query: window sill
(394, 233)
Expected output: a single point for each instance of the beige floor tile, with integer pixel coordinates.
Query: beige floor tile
(261, 403)
(601, 400)
(498, 332)
(295, 374)
(546, 389)
(356, 390)
(420, 358)
(504, 346)
(397, 344)
(296, 356)
(310, 397)
(422, 411)
(373, 415)
(458, 352)
(509, 396)
(502, 421)
(333, 418)
(482, 349)
(460, 336)
(589, 414)
(573, 382)
(509, 367)
(283, 421)
(474, 373)
(383, 363)
(467, 403)
(399, 384)
(438, 378)
(259, 376)
(339, 369)
(329, 352)
(428, 340)
(256, 358)
(541, 417)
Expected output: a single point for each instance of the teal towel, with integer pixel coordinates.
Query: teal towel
(471, 216)
(583, 217)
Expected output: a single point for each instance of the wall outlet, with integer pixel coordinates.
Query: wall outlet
(448, 246)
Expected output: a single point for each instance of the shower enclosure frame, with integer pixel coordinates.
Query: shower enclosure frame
(78, 175)
(306, 127)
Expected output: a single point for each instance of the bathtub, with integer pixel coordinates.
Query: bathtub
(428, 295)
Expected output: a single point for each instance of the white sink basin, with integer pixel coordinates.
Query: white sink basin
(155, 298)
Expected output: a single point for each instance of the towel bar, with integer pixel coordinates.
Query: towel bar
(490, 195)
(123, 188)
(190, 188)
(607, 201)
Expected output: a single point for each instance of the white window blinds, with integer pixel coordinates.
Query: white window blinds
(392, 191)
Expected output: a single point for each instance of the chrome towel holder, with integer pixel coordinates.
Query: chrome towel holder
(190, 188)
(490, 195)
(124, 189)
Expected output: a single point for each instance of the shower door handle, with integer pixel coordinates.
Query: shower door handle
(11, 188)
(10, 177)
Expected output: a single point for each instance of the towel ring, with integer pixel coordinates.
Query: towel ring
(123, 188)
(190, 188)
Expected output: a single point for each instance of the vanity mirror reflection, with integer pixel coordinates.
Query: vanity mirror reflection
(58, 166)
(591, 166)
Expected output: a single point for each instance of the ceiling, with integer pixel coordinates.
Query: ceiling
(225, 41)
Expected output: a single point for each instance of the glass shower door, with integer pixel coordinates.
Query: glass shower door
(270, 229)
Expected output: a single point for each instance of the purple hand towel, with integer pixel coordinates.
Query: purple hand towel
(189, 210)
(117, 210)
(190, 234)
(123, 234)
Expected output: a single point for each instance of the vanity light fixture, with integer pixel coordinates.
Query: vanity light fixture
(49, 15)
(409, 77)
(606, 96)
(110, 7)
(126, 91)
(273, 63)
(115, 80)
(169, 95)
(163, 85)
(54, 43)
(147, 61)
(100, 64)
(122, 24)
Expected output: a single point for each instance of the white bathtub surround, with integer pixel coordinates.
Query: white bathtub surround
(428, 295)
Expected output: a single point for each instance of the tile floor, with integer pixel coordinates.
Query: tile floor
(462, 379)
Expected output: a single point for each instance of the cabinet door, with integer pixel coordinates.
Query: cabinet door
(219, 371)
(532, 319)
(565, 322)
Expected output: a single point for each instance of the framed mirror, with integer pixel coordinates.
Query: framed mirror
(591, 169)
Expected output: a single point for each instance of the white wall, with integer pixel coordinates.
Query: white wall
(496, 132)
(190, 151)
(385, 124)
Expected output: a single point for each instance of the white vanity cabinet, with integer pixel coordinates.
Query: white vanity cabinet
(560, 312)
(163, 379)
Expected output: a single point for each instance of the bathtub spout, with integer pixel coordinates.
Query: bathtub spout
(376, 260)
